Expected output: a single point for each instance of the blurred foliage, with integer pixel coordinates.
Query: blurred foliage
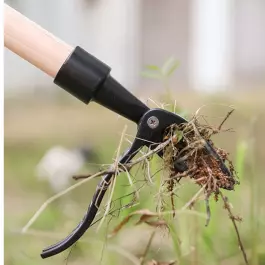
(163, 74)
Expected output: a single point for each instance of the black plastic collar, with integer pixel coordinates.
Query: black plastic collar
(82, 74)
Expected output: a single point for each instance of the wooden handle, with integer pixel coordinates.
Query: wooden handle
(34, 44)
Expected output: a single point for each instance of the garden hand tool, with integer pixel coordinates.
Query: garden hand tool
(88, 79)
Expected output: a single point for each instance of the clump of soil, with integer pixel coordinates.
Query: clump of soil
(193, 154)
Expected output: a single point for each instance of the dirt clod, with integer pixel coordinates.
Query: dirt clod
(193, 154)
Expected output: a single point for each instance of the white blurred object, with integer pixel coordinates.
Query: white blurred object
(211, 39)
(59, 164)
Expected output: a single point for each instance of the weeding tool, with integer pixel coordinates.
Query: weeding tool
(88, 79)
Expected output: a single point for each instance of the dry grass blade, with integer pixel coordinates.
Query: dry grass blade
(234, 219)
(148, 247)
(153, 262)
(227, 116)
(145, 216)
(53, 198)
(116, 170)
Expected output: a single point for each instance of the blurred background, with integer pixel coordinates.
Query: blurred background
(205, 52)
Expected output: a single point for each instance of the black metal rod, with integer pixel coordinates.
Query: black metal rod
(88, 79)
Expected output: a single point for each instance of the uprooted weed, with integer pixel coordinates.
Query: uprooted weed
(190, 153)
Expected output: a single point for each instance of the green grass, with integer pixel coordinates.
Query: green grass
(27, 138)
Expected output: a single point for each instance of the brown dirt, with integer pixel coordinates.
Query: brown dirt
(192, 154)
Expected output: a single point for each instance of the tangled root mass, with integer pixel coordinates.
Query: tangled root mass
(193, 154)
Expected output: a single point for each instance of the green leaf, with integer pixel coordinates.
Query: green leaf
(151, 75)
(169, 67)
(152, 67)
(172, 69)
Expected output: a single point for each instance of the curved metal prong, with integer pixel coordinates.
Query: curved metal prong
(93, 207)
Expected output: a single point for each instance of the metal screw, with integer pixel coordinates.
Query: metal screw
(153, 122)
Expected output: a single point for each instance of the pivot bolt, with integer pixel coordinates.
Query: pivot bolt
(153, 122)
